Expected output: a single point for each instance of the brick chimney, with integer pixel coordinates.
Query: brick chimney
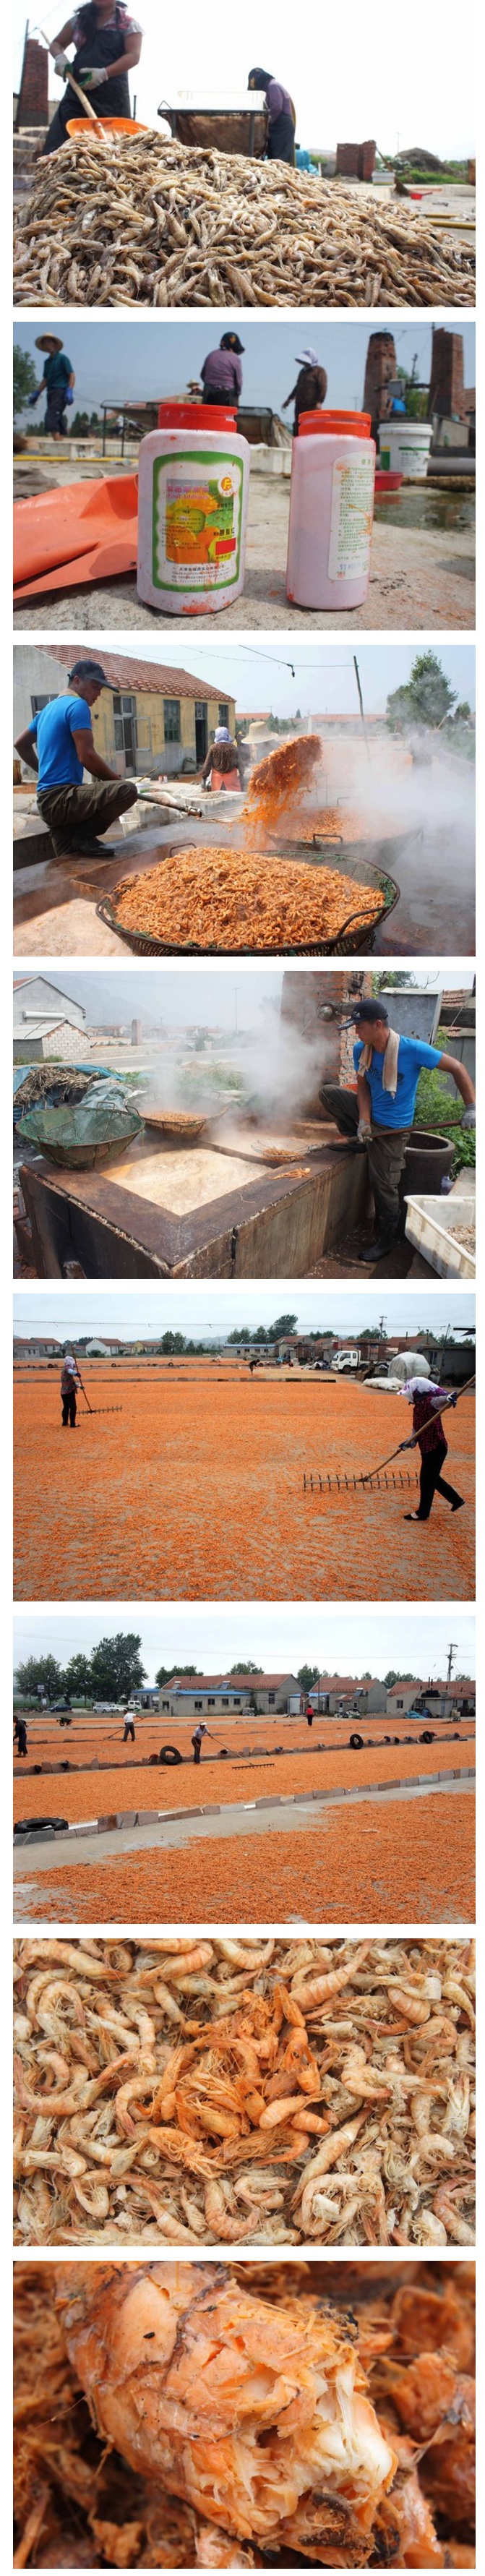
(33, 104)
(380, 367)
(446, 391)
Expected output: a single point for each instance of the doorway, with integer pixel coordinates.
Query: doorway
(201, 741)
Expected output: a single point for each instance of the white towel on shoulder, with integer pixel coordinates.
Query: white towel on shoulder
(389, 1078)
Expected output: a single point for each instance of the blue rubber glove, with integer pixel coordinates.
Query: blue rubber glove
(69, 394)
(33, 398)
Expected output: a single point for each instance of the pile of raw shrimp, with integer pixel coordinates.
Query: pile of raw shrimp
(213, 2091)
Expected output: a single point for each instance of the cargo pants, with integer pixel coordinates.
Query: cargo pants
(385, 1154)
(74, 814)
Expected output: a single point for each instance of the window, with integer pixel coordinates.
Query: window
(236, 1703)
(197, 1703)
(124, 713)
(165, 1703)
(225, 1703)
(37, 703)
(271, 1698)
(211, 1703)
(223, 715)
(171, 719)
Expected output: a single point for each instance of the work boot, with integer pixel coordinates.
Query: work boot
(377, 1250)
(92, 849)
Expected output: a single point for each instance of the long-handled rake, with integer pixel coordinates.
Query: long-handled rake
(95, 1408)
(314, 1484)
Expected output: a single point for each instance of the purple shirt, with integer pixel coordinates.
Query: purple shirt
(223, 370)
(278, 100)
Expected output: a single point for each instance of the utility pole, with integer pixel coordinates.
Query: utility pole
(449, 1669)
(361, 703)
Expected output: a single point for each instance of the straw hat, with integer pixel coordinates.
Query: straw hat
(48, 341)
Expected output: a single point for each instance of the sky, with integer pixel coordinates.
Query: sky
(348, 81)
(278, 1638)
(209, 1307)
(219, 999)
(324, 681)
(138, 358)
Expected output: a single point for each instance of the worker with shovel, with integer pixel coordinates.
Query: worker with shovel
(63, 733)
(108, 43)
(377, 1118)
(70, 1379)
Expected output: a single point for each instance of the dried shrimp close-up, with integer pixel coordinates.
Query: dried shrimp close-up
(188, 2414)
(211, 2090)
(145, 221)
(227, 899)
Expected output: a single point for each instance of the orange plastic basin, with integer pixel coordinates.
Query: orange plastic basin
(79, 533)
(105, 125)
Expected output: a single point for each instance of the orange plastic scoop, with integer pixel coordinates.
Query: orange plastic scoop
(105, 125)
(79, 533)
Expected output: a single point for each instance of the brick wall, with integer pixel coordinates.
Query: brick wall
(33, 106)
(355, 160)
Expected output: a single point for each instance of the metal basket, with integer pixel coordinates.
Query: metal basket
(358, 932)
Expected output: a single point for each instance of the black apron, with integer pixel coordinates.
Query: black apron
(281, 138)
(113, 96)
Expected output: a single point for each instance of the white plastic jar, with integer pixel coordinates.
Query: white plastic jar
(193, 491)
(331, 510)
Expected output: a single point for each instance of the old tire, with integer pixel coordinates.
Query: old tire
(427, 1737)
(169, 1755)
(357, 1743)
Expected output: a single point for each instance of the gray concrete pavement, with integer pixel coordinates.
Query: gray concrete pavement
(420, 578)
(175, 1833)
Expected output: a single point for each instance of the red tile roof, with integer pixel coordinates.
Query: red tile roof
(124, 673)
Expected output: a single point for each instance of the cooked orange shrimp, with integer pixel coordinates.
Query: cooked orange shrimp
(320, 1987)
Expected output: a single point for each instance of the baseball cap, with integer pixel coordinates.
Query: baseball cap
(371, 1010)
(88, 671)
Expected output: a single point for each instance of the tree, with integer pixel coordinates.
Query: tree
(427, 699)
(172, 1342)
(24, 379)
(116, 1667)
(188, 1672)
(307, 1675)
(39, 1672)
(284, 1324)
(244, 1668)
(391, 1678)
(77, 1677)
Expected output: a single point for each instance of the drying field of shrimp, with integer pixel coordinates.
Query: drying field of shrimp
(204, 2415)
(200, 1496)
(220, 2091)
(93, 1740)
(363, 1862)
(152, 222)
(83, 1794)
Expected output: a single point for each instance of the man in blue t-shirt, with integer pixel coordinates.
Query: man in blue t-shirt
(377, 1118)
(63, 734)
(57, 381)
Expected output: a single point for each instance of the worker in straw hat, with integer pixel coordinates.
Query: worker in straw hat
(108, 43)
(57, 381)
(311, 385)
(376, 1119)
(62, 731)
(427, 1399)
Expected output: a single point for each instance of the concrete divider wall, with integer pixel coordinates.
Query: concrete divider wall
(133, 1817)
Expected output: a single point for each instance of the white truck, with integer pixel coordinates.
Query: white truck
(346, 1362)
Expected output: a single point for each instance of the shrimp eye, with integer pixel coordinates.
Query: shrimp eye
(150, 2338)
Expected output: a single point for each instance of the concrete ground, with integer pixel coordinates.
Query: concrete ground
(420, 578)
(176, 1833)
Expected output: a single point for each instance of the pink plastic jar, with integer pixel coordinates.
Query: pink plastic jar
(331, 510)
